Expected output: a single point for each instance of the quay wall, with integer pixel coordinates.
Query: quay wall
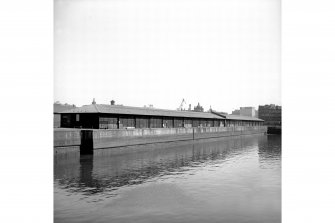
(66, 140)
(212, 132)
(117, 137)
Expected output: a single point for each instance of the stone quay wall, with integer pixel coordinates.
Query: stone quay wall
(70, 139)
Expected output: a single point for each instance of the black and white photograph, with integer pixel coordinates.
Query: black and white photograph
(175, 111)
(167, 111)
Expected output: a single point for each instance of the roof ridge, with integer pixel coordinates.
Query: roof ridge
(244, 116)
(147, 108)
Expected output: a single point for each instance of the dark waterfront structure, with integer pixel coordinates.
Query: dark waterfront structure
(101, 116)
(271, 114)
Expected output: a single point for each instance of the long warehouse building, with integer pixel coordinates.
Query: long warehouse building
(102, 116)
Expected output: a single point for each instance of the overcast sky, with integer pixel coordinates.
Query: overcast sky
(223, 53)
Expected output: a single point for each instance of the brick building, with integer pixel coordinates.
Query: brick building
(271, 114)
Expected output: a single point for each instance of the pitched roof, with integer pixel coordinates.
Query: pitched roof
(240, 117)
(237, 117)
(117, 109)
(60, 107)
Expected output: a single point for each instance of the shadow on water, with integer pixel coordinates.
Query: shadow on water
(107, 170)
(269, 149)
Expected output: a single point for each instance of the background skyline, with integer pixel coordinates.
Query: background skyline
(224, 54)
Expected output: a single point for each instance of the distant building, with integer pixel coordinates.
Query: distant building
(236, 112)
(248, 111)
(198, 108)
(271, 114)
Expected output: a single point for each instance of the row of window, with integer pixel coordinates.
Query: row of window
(153, 122)
(242, 123)
(144, 122)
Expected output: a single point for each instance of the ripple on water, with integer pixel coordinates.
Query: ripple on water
(234, 179)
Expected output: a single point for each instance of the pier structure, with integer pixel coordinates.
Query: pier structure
(98, 126)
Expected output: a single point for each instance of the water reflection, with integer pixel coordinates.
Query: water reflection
(233, 179)
(107, 170)
(269, 151)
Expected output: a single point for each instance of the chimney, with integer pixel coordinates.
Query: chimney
(112, 102)
(189, 107)
(93, 102)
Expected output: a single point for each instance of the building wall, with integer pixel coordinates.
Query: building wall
(178, 122)
(248, 111)
(113, 121)
(236, 112)
(271, 114)
(243, 123)
(56, 120)
(108, 122)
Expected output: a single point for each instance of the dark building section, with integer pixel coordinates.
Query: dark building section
(100, 116)
(271, 114)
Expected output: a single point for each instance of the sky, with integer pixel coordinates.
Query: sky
(221, 53)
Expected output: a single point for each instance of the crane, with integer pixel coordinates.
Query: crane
(180, 108)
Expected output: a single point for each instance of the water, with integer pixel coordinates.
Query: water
(236, 179)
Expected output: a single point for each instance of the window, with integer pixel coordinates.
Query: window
(156, 122)
(108, 123)
(142, 122)
(168, 122)
(178, 122)
(127, 122)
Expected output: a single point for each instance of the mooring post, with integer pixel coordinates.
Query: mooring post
(86, 145)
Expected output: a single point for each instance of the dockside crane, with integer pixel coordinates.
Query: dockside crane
(181, 106)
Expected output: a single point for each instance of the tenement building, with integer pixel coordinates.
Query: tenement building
(271, 114)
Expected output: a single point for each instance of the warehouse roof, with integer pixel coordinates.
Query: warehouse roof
(60, 107)
(118, 109)
(237, 117)
(242, 118)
